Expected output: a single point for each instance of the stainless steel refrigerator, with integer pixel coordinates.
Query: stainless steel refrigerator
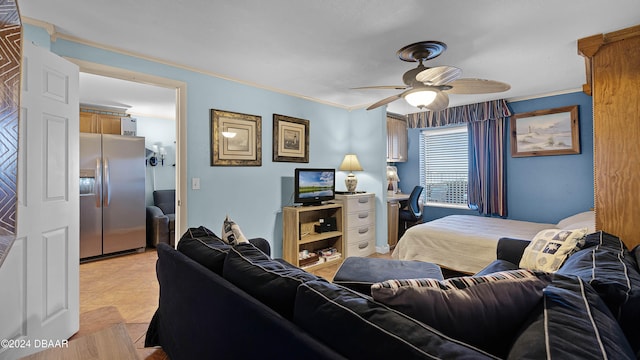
(112, 199)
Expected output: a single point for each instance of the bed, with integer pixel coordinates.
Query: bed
(467, 243)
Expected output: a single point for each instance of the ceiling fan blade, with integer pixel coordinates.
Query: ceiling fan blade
(476, 86)
(391, 87)
(439, 103)
(439, 75)
(385, 101)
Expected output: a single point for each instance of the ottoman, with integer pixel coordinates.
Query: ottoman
(359, 273)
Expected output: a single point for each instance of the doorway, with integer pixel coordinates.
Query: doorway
(177, 162)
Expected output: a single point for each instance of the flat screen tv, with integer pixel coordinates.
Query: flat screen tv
(313, 186)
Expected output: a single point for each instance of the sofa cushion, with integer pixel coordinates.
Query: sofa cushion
(550, 248)
(206, 248)
(607, 265)
(485, 311)
(203, 246)
(497, 266)
(359, 328)
(199, 232)
(574, 323)
(267, 280)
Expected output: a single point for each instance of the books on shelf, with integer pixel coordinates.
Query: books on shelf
(321, 257)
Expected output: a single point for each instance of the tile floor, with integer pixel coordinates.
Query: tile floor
(125, 289)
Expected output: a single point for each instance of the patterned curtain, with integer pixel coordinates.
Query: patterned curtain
(486, 128)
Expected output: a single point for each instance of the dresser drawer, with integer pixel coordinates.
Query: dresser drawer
(359, 234)
(360, 219)
(360, 203)
(362, 248)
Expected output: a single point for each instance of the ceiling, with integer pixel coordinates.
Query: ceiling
(127, 96)
(321, 49)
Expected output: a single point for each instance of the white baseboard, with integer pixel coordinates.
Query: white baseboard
(382, 249)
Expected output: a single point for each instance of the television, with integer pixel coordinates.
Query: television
(313, 186)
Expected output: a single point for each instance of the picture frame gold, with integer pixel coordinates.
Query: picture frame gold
(236, 139)
(290, 139)
(545, 132)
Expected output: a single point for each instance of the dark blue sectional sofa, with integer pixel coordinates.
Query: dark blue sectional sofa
(236, 302)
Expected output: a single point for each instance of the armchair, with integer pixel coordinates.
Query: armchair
(161, 218)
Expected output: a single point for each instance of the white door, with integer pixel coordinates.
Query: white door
(39, 297)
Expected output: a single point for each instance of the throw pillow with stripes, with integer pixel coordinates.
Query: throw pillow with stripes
(484, 311)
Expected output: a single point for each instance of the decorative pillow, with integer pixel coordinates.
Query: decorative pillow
(484, 311)
(573, 324)
(612, 271)
(359, 328)
(267, 280)
(231, 233)
(578, 221)
(550, 248)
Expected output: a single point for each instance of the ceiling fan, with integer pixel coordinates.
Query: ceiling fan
(429, 87)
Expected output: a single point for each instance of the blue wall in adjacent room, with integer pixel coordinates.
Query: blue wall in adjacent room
(254, 196)
(542, 188)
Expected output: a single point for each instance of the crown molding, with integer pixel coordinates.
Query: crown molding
(51, 30)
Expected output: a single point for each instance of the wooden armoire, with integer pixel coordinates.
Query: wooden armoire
(613, 80)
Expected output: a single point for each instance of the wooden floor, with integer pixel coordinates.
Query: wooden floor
(125, 289)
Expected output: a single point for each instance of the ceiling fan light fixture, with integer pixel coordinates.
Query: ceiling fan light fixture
(420, 98)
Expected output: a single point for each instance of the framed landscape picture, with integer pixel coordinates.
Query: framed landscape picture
(290, 139)
(235, 139)
(545, 132)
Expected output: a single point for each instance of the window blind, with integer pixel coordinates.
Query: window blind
(444, 157)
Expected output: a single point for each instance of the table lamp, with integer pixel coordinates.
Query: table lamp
(393, 179)
(350, 164)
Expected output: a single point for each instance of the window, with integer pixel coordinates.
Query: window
(444, 158)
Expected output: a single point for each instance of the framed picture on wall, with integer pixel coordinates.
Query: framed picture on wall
(236, 139)
(290, 139)
(545, 132)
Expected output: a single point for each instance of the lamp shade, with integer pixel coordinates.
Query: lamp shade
(350, 163)
(420, 97)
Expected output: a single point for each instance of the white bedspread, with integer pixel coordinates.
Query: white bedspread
(464, 243)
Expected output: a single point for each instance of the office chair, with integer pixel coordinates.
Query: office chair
(411, 214)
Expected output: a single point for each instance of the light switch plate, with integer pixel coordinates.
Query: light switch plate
(195, 183)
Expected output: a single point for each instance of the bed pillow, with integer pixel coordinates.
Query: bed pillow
(578, 221)
(484, 311)
(550, 248)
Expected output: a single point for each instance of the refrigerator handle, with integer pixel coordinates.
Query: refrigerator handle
(107, 183)
(98, 183)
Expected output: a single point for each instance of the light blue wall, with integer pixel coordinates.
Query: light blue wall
(541, 189)
(253, 196)
(160, 132)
